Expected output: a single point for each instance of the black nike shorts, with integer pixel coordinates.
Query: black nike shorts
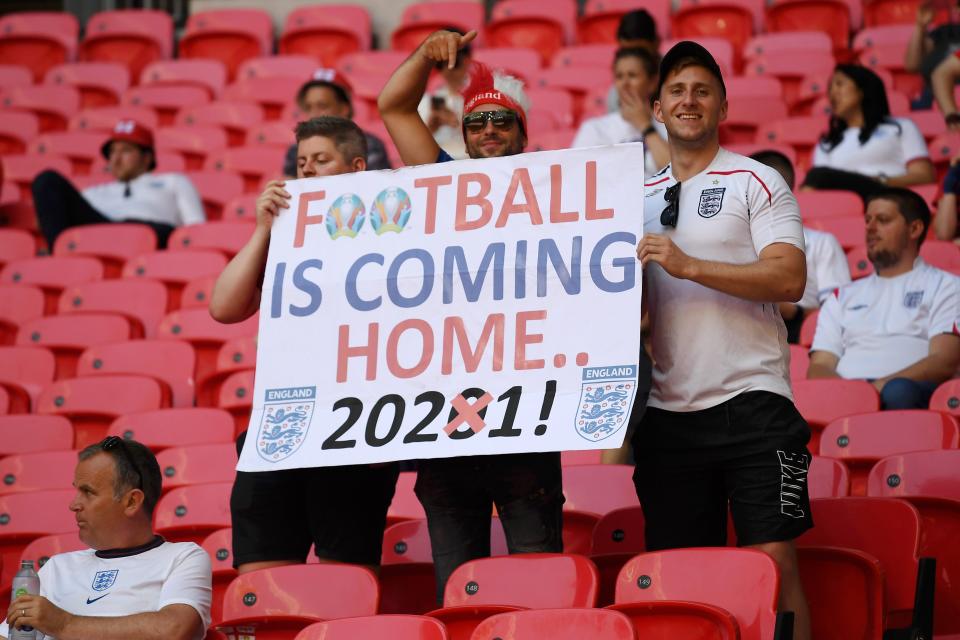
(749, 453)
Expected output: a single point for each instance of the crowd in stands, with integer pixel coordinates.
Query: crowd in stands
(138, 193)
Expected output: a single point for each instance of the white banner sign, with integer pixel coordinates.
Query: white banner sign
(462, 308)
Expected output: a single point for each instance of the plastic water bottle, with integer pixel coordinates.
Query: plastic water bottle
(26, 582)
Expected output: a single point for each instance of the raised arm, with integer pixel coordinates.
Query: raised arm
(942, 80)
(236, 294)
(401, 96)
(920, 44)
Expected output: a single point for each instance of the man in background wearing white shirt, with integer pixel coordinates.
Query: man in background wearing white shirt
(162, 201)
(130, 583)
(896, 328)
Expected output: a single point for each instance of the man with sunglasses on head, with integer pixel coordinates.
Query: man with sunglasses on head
(458, 494)
(130, 583)
(722, 245)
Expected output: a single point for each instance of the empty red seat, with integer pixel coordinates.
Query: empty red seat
(589, 55)
(792, 69)
(829, 204)
(946, 398)
(301, 67)
(100, 83)
(828, 478)
(92, 403)
(420, 19)
(234, 117)
(104, 119)
(844, 591)
(551, 108)
(68, 336)
(42, 549)
(602, 17)
(18, 303)
(516, 61)
(216, 189)
(166, 100)
(833, 17)
(273, 93)
(284, 600)
(171, 363)
(219, 546)
(191, 513)
(941, 254)
(228, 35)
(558, 624)
(580, 482)
(193, 143)
(326, 32)
(82, 148)
(544, 26)
(38, 471)
(142, 302)
(236, 396)
(22, 169)
(53, 105)
(278, 133)
(618, 536)
(24, 517)
(17, 129)
(32, 433)
(15, 75)
(175, 269)
(205, 334)
(197, 464)
(52, 275)
(183, 427)
(395, 627)
(38, 40)
(255, 164)
(850, 231)
(226, 237)
(897, 12)
(113, 243)
(24, 371)
(745, 116)
(131, 37)
(734, 21)
(196, 293)
(823, 400)
(748, 591)
(208, 74)
(238, 354)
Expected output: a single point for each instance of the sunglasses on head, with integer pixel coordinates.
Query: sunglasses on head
(476, 121)
(670, 213)
(114, 442)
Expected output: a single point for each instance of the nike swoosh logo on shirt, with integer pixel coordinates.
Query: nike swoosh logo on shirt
(89, 601)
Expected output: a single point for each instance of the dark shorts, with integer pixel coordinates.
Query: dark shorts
(749, 452)
(342, 511)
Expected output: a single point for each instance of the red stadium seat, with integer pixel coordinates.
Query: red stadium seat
(239, 354)
(748, 591)
(92, 403)
(236, 396)
(82, 148)
(799, 362)
(542, 25)
(15, 75)
(799, 43)
(166, 100)
(53, 106)
(858, 262)
(31, 433)
(42, 549)
(278, 133)
(941, 254)
(617, 537)
(38, 471)
(571, 458)
(301, 67)
(22, 169)
(745, 116)
(38, 40)
(929, 480)
(184, 427)
(17, 129)
(191, 513)
(891, 60)
(24, 517)
(113, 243)
(673, 619)
(197, 464)
(205, 334)
(226, 237)
(142, 302)
(193, 143)
(216, 189)
(219, 546)
(255, 164)
(273, 93)
(171, 363)
(589, 55)
(420, 19)
(602, 17)
(850, 231)
(558, 624)
(830, 16)
(844, 591)
(946, 398)
(52, 275)
(550, 109)
(520, 62)
(196, 293)
(580, 483)
(862, 439)
(551, 140)
(719, 48)
(68, 336)
(24, 371)
(208, 74)
(731, 20)
(395, 627)
(326, 32)
(133, 38)
(828, 478)
(896, 12)
(280, 601)
(824, 400)
(829, 204)
(228, 35)
(18, 304)
(887, 529)
(104, 119)
(234, 117)
(930, 123)
(942, 149)
(100, 83)
(175, 269)
(792, 69)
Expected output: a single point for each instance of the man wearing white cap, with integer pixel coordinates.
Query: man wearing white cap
(162, 201)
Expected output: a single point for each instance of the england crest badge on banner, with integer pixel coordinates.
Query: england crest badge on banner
(285, 422)
(606, 398)
(103, 580)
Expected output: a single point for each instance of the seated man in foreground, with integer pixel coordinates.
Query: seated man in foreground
(130, 583)
(898, 327)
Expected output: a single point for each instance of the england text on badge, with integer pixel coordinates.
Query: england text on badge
(606, 397)
(286, 420)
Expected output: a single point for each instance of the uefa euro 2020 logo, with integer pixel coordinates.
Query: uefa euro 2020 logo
(346, 216)
(390, 211)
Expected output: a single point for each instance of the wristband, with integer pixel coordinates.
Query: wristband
(648, 131)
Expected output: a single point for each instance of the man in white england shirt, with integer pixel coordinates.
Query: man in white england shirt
(722, 246)
(896, 328)
(162, 201)
(130, 583)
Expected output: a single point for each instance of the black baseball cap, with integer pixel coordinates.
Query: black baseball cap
(684, 50)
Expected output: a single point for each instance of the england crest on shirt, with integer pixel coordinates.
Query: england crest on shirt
(103, 580)
(710, 202)
(912, 299)
(285, 422)
(606, 397)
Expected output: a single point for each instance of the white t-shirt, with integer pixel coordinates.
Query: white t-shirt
(169, 198)
(878, 326)
(613, 129)
(887, 151)
(82, 583)
(827, 267)
(709, 346)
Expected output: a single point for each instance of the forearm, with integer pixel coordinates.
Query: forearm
(942, 81)
(235, 295)
(405, 88)
(922, 173)
(817, 370)
(144, 626)
(945, 222)
(934, 368)
(766, 280)
(915, 49)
